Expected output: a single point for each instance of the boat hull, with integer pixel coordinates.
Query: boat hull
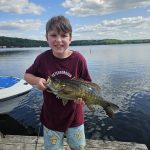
(12, 87)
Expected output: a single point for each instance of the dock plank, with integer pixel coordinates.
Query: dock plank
(18, 142)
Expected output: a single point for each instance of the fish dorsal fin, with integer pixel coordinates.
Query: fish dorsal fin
(84, 81)
(80, 79)
(64, 101)
(94, 85)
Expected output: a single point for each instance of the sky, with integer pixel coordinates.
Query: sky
(90, 19)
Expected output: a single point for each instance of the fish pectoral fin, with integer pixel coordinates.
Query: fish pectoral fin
(64, 101)
(91, 107)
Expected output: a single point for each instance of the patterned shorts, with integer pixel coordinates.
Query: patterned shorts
(53, 140)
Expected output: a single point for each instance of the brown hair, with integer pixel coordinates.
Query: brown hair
(60, 24)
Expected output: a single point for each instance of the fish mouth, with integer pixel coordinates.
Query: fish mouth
(54, 84)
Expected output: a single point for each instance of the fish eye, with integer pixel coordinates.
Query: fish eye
(90, 88)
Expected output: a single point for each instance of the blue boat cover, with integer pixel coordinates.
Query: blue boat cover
(6, 82)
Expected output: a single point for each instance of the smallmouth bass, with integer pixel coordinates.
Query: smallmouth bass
(71, 89)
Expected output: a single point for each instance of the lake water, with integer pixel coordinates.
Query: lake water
(123, 72)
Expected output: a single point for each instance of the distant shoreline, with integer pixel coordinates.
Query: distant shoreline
(10, 42)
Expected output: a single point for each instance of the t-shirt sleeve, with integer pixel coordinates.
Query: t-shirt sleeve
(34, 68)
(83, 70)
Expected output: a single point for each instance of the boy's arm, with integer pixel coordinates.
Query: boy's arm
(34, 80)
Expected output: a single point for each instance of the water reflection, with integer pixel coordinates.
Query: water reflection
(28, 111)
(122, 71)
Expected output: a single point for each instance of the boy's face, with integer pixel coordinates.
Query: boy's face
(59, 42)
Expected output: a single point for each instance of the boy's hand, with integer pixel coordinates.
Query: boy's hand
(41, 84)
(79, 101)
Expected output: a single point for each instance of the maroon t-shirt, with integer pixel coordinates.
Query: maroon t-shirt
(54, 114)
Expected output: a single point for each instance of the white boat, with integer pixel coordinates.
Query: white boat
(12, 87)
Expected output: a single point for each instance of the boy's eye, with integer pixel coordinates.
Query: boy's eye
(53, 35)
(61, 35)
(64, 35)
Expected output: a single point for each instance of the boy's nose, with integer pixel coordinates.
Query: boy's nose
(58, 38)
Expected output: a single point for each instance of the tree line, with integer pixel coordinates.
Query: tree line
(19, 42)
(108, 42)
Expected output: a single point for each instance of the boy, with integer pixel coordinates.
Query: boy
(60, 62)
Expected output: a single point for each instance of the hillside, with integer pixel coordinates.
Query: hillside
(19, 42)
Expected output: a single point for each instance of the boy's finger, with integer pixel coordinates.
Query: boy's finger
(79, 101)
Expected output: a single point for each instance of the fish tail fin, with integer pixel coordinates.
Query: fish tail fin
(110, 109)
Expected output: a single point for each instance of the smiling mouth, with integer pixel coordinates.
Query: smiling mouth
(58, 46)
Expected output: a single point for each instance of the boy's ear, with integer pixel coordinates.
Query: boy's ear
(70, 38)
(46, 37)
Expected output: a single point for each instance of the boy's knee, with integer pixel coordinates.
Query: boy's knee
(76, 138)
(76, 144)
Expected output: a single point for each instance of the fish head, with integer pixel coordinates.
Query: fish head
(55, 84)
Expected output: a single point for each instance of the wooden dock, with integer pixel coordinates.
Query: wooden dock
(18, 142)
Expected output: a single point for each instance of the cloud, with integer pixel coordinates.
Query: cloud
(101, 7)
(20, 7)
(20, 25)
(123, 28)
(29, 29)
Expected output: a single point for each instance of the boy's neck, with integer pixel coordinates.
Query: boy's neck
(65, 54)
